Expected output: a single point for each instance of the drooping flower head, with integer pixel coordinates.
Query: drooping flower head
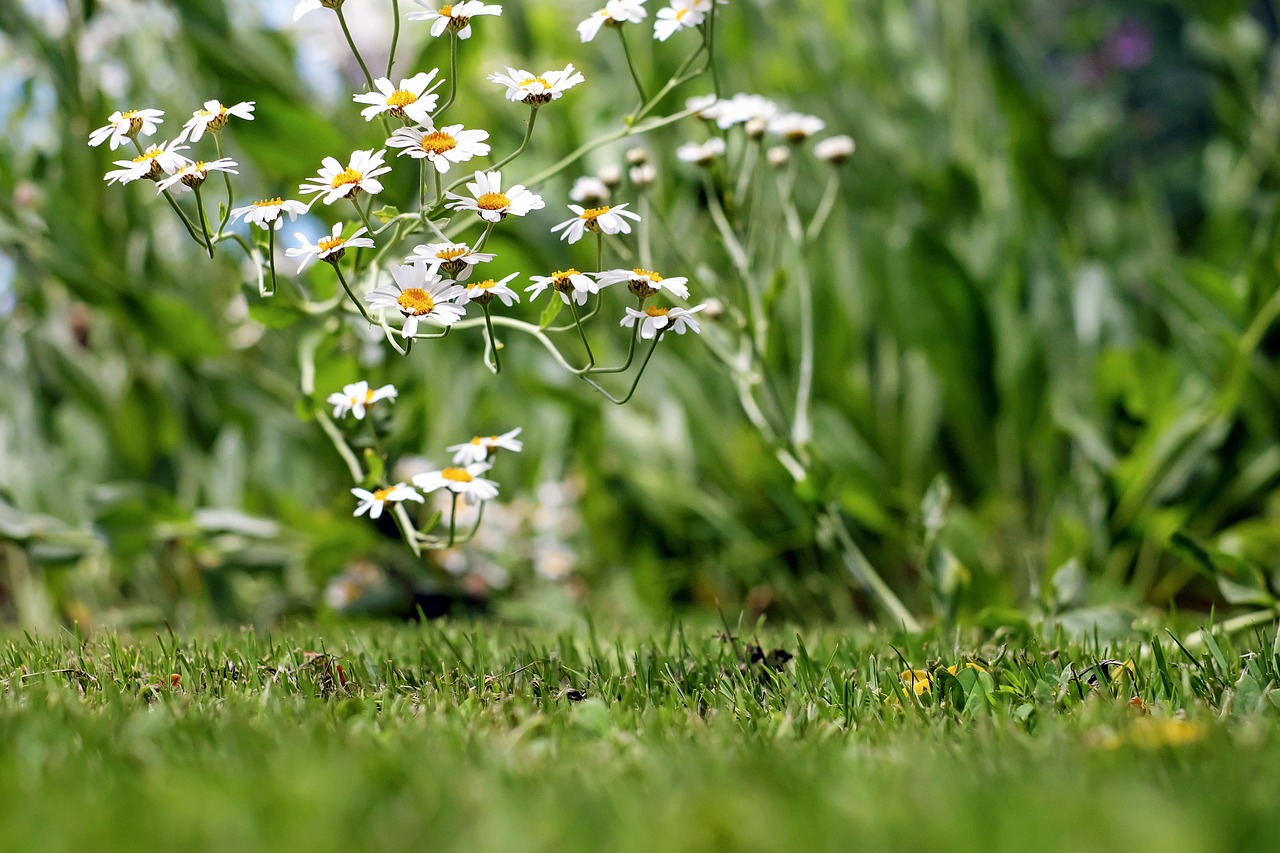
(454, 17)
(157, 160)
(411, 101)
(452, 259)
(442, 147)
(213, 117)
(567, 283)
(329, 249)
(481, 447)
(536, 90)
(483, 292)
(265, 213)
(605, 220)
(418, 296)
(193, 174)
(122, 126)
(373, 502)
(656, 321)
(338, 182)
(490, 201)
(644, 283)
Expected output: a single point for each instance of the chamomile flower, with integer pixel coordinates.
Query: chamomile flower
(157, 160)
(360, 174)
(706, 107)
(373, 502)
(565, 282)
(311, 5)
(443, 147)
(213, 117)
(704, 153)
(418, 296)
(122, 126)
(644, 283)
(681, 14)
(411, 101)
(605, 220)
(491, 202)
(465, 481)
(483, 292)
(451, 259)
(266, 213)
(795, 127)
(589, 190)
(655, 321)
(755, 111)
(331, 248)
(834, 150)
(358, 397)
(614, 14)
(479, 448)
(194, 174)
(454, 17)
(537, 90)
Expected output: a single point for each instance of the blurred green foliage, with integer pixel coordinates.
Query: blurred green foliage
(1046, 332)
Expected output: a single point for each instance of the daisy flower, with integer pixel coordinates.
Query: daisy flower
(194, 174)
(442, 147)
(411, 101)
(743, 108)
(126, 125)
(644, 283)
(589, 190)
(373, 502)
(213, 118)
(706, 107)
(311, 5)
(614, 14)
(565, 282)
(680, 14)
(455, 17)
(157, 160)
(338, 183)
(795, 127)
(606, 220)
(655, 321)
(536, 91)
(419, 296)
(461, 481)
(330, 248)
(267, 211)
(483, 292)
(491, 202)
(357, 397)
(701, 153)
(448, 258)
(835, 150)
(479, 448)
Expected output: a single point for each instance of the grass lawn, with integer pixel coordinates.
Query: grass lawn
(470, 738)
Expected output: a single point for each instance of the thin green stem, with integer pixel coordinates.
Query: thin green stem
(204, 225)
(528, 134)
(635, 384)
(825, 205)
(271, 257)
(453, 73)
(582, 333)
(191, 229)
(631, 349)
(342, 19)
(226, 180)
(635, 75)
(395, 34)
(350, 294)
(453, 520)
(493, 340)
(364, 217)
(599, 251)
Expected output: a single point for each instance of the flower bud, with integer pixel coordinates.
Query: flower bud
(779, 156)
(610, 174)
(637, 156)
(643, 176)
(835, 150)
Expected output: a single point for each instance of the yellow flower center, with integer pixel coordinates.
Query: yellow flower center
(450, 254)
(591, 214)
(561, 276)
(529, 81)
(198, 166)
(457, 475)
(649, 274)
(269, 202)
(368, 396)
(447, 10)
(152, 153)
(381, 494)
(415, 301)
(346, 176)
(493, 201)
(655, 311)
(482, 285)
(129, 114)
(329, 243)
(478, 440)
(438, 142)
(401, 98)
(680, 13)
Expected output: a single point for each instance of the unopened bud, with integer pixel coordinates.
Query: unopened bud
(610, 174)
(779, 156)
(643, 176)
(835, 150)
(637, 156)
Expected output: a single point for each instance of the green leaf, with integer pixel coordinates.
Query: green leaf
(550, 313)
(386, 213)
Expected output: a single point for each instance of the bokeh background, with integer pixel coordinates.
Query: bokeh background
(1047, 298)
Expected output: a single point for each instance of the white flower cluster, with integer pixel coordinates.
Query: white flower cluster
(679, 15)
(759, 116)
(162, 163)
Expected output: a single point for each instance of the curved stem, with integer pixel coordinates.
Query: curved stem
(635, 384)
(364, 217)
(453, 73)
(191, 228)
(226, 180)
(825, 206)
(631, 351)
(453, 520)
(342, 19)
(528, 134)
(569, 327)
(343, 280)
(493, 341)
(271, 257)
(204, 225)
(582, 333)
